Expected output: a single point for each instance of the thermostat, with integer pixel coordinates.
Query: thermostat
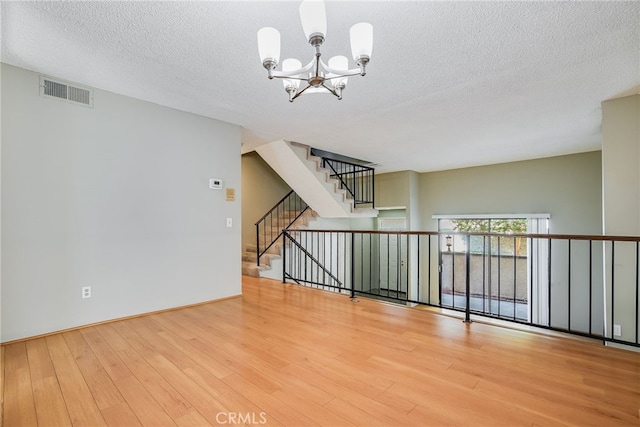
(215, 184)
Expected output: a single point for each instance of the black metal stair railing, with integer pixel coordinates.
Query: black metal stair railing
(357, 180)
(310, 267)
(269, 228)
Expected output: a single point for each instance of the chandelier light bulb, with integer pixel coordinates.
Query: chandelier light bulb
(288, 65)
(340, 63)
(314, 19)
(361, 41)
(269, 45)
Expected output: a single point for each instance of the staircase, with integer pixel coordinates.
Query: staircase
(304, 173)
(271, 261)
(316, 192)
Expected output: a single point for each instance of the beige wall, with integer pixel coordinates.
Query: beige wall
(621, 205)
(621, 165)
(262, 188)
(400, 189)
(567, 187)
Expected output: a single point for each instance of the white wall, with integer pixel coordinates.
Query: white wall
(116, 198)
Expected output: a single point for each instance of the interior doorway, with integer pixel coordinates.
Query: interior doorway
(393, 250)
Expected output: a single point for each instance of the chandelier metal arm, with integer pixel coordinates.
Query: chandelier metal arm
(297, 74)
(343, 73)
(294, 73)
(298, 93)
(354, 72)
(332, 91)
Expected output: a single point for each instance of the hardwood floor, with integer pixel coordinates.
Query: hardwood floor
(288, 355)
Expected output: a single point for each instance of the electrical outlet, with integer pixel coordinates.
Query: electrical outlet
(617, 330)
(86, 292)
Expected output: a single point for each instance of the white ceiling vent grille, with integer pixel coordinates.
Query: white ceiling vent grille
(66, 91)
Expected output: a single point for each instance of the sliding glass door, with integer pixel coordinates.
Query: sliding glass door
(506, 273)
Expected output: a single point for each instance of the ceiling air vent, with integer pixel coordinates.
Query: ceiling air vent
(67, 91)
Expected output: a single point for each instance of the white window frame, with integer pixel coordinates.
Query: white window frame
(538, 282)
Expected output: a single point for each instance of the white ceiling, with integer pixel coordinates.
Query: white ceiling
(450, 84)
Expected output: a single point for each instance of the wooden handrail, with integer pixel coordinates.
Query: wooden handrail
(453, 233)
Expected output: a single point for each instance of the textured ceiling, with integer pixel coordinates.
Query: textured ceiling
(450, 84)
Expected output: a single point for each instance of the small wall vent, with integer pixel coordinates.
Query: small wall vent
(66, 91)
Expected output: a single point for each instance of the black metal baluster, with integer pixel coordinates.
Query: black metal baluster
(549, 285)
(569, 286)
(591, 283)
(353, 262)
(613, 295)
(429, 268)
(361, 259)
(453, 272)
(499, 273)
(515, 278)
(530, 256)
(637, 285)
(467, 311)
(398, 264)
(418, 296)
(439, 270)
(284, 257)
(484, 275)
(258, 243)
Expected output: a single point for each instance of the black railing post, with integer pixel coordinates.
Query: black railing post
(549, 285)
(373, 188)
(569, 285)
(591, 284)
(353, 263)
(613, 283)
(284, 256)
(467, 310)
(637, 284)
(258, 242)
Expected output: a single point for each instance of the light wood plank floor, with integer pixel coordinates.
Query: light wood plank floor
(288, 355)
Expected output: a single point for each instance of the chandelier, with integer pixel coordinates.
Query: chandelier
(318, 76)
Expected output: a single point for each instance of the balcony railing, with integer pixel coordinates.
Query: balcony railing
(357, 180)
(584, 285)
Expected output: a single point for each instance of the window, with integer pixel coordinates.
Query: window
(507, 275)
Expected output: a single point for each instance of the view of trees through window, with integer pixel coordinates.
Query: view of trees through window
(493, 245)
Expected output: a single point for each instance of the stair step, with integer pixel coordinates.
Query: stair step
(252, 269)
(253, 248)
(253, 257)
(249, 257)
